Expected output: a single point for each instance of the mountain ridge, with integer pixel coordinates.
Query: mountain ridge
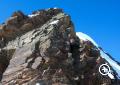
(44, 49)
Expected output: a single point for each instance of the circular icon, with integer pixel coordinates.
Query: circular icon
(104, 69)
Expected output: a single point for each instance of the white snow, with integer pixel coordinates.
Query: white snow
(114, 65)
(55, 8)
(32, 15)
(54, 22)
(37, 83)
(86, 38)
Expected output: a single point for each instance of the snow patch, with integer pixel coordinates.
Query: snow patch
(55, 8)
(85, 37)
(54, 22)
(38, 84)
(33, 15)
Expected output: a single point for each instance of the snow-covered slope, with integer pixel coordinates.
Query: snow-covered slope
(104, 55)
(85, 37)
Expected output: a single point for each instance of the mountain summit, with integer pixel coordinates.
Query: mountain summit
(43, 49)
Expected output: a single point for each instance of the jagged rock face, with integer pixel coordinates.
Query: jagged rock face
(43, 49)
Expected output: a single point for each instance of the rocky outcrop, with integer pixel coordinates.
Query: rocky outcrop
(43, 49)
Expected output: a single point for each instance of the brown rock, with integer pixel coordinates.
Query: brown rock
(44, 49)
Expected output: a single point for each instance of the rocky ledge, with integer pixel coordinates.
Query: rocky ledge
(43, 49)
